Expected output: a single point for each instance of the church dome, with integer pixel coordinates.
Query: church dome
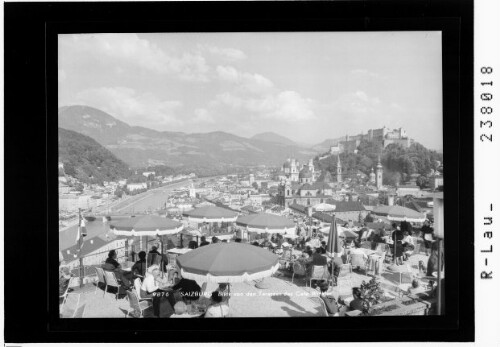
(305, 173)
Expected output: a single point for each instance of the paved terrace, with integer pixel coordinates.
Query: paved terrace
(282, 298)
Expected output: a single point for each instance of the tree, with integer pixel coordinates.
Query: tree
(255, 185)
(423, 181)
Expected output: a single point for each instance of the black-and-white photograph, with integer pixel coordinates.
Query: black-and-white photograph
(250, 174)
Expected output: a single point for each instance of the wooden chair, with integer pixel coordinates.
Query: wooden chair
(111, 281)
(136, 304)
(100, 279)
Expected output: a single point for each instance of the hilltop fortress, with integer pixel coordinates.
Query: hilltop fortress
(384, 136)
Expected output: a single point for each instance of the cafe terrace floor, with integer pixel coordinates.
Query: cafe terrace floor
(281, 298)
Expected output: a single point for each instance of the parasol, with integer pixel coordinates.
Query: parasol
(267, 223)
(399, 214)
(227, 263)
(149, 225)
(211, 214)
(323, 207)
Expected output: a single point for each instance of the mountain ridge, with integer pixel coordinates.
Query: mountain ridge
(139, 146)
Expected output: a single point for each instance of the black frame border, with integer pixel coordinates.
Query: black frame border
(30, 141)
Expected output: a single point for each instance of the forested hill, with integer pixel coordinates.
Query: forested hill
(87, 160)
(398, 162)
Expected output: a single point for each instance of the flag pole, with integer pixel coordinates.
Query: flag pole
(80, 245)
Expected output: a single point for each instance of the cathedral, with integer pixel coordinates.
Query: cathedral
(306, 186)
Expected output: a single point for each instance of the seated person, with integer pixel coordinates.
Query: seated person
(217, 308)
(189, 289)
(237, 240)
(416, 288)
(255, 243)
(163, 301)
(192, 244)
(140, 267)
(204, 241)
(215, 239)
(331, 304)
(408, 245)
(180, 309)
(224, 291)
(323, 247)
(357, 302)
(125, 277)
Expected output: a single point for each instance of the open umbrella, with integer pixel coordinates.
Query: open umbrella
(399, 213)
(211, 214)
(323, 207)
(267, 223)
(149, 225)
(227, 263)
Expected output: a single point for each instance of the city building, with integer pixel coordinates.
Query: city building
(436, 181)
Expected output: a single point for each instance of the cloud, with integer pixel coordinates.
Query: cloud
(202, 116)
(285, 106)
(132, 50)
(357, 102)
(253, 83)
(136, 109)
(230, 54)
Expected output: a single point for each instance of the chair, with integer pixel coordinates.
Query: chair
(136, 304)
(317, 299)
(111, 281)
(318, 273)
(299, 270)
(358, 260)
(344, 280)
(137, 287)
(100, 279)
(71, 283)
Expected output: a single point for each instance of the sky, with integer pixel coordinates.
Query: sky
(307, 86)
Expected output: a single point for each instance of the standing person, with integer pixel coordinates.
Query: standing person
(397, 247)
(427, 235)
(432, 262)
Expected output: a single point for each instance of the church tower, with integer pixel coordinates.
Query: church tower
(339, 170)
(379, 173)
